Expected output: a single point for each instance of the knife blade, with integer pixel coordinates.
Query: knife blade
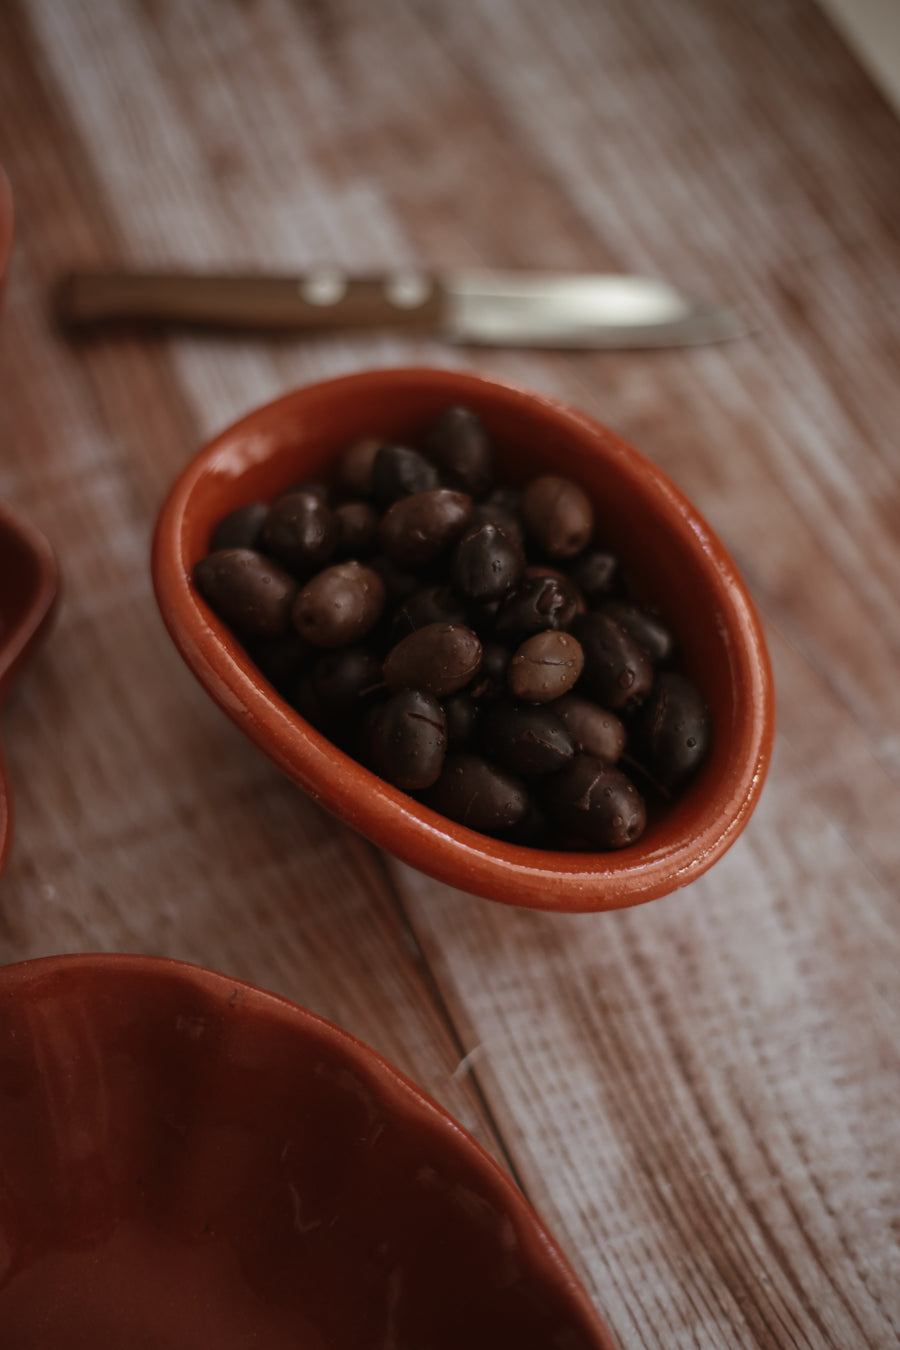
(488, 308)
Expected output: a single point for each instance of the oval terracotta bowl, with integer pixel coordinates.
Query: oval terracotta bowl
(671, 553)
(186, 1161)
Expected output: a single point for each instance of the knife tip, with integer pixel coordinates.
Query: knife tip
(715, 323)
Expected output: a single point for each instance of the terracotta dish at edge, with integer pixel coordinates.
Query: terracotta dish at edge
(670, 552)
(187, 1161)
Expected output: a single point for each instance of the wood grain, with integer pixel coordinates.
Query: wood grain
(701, 1095)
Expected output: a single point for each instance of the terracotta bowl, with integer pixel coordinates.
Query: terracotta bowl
(670, 551)
(186, 1161)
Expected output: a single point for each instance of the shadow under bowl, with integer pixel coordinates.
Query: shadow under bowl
(671, 554)
(188, 1161)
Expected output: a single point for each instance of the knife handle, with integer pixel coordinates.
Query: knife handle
(322, 299)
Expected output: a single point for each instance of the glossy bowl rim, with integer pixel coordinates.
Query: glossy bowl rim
(401, 1096)
(510, 874)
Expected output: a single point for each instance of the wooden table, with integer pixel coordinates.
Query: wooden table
(700, 1095)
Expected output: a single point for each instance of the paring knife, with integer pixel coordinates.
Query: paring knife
(509, 309)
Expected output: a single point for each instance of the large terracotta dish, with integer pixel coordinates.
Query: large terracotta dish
(668, 548)
(187, 1162)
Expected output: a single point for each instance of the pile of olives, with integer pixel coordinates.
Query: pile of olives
(471, 642)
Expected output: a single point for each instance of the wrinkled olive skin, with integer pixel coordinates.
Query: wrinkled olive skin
(616, 670)
(477, 794)
(528, 740)
(595, 802)
(250, 592)
(673, 729)
(538, 602)
(545, 667)
(408, 740)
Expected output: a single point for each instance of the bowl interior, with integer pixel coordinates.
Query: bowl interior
(187, 1161)
(673, 557)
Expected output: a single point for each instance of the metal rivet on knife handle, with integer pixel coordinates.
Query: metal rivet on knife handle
(326, 286)
(408, 290)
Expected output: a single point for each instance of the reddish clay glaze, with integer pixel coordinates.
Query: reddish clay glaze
(187, 1161)
(666, 546)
